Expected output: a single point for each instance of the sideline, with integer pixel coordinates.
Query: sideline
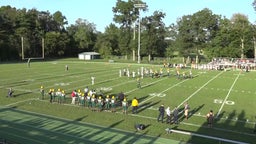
(134, 115)
(205, 136)
(138, 139)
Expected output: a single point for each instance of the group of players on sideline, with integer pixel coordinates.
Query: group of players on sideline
(95, 102)
(88, 98)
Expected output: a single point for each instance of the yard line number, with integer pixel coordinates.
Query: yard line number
(157, 94)
(220, 101)
(62, 84)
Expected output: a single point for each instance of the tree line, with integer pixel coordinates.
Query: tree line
(202, 34)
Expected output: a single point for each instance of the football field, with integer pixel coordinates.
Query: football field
(27, 118)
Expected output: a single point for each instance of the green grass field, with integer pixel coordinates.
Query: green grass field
(27, 119)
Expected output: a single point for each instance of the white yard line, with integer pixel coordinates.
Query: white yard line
(21, 101)
(227, 95)
(199, 89)
(21, 137)
(164, 91)
(135, 115)
(69, 120)
(206, 136)
(145, 85)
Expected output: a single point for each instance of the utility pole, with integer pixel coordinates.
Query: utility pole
(139, 6)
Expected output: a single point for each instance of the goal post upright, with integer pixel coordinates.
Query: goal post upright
(22, 49)
(42, 48)
(23, 53)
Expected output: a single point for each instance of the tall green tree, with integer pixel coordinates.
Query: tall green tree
(171, 37)
(196, 31)
(60, 21)
(233, 39)
(56, 43)
(153, 38)
(125, 14)
(107, 43)
(8, 47)
(84, 35)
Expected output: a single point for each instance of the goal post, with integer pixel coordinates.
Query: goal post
(23, 53)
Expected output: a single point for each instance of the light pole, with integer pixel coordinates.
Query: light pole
(139, 6)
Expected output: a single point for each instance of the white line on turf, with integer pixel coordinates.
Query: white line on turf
(227, 95)
(209, 137)
(163, 91)
(21, 101)
(204, 116)
(200, 89)
(92, 124)
(56, 132)
(26, 138)
(136, 115)
(145, 85)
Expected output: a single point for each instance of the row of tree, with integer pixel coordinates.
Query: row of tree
(202, 33)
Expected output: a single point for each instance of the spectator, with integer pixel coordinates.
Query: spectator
(175, 115)
(168, 113)
(186, 109)
(161, 113)
(210, 117)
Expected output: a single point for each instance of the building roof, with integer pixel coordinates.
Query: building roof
(89, 53)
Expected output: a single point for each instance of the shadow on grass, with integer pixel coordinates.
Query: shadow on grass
(147, 105)
(233, 127)
(20, 94)
(139, 99)
(191, 112)
(50, 129)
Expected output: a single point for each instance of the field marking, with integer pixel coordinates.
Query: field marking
(227, 95)
(199, 89)
(204, 116)
(205, 136)
(150, 108)
(194, 125)
(147, 117)
(21, 101)
(145, 85)
(163, 91)
(37, 90)
(57, 72)
(60, 133)
(26, 138)
(61, 78)
(91, 124)
(234, 120)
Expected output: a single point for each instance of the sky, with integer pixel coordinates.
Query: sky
(100, 12)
